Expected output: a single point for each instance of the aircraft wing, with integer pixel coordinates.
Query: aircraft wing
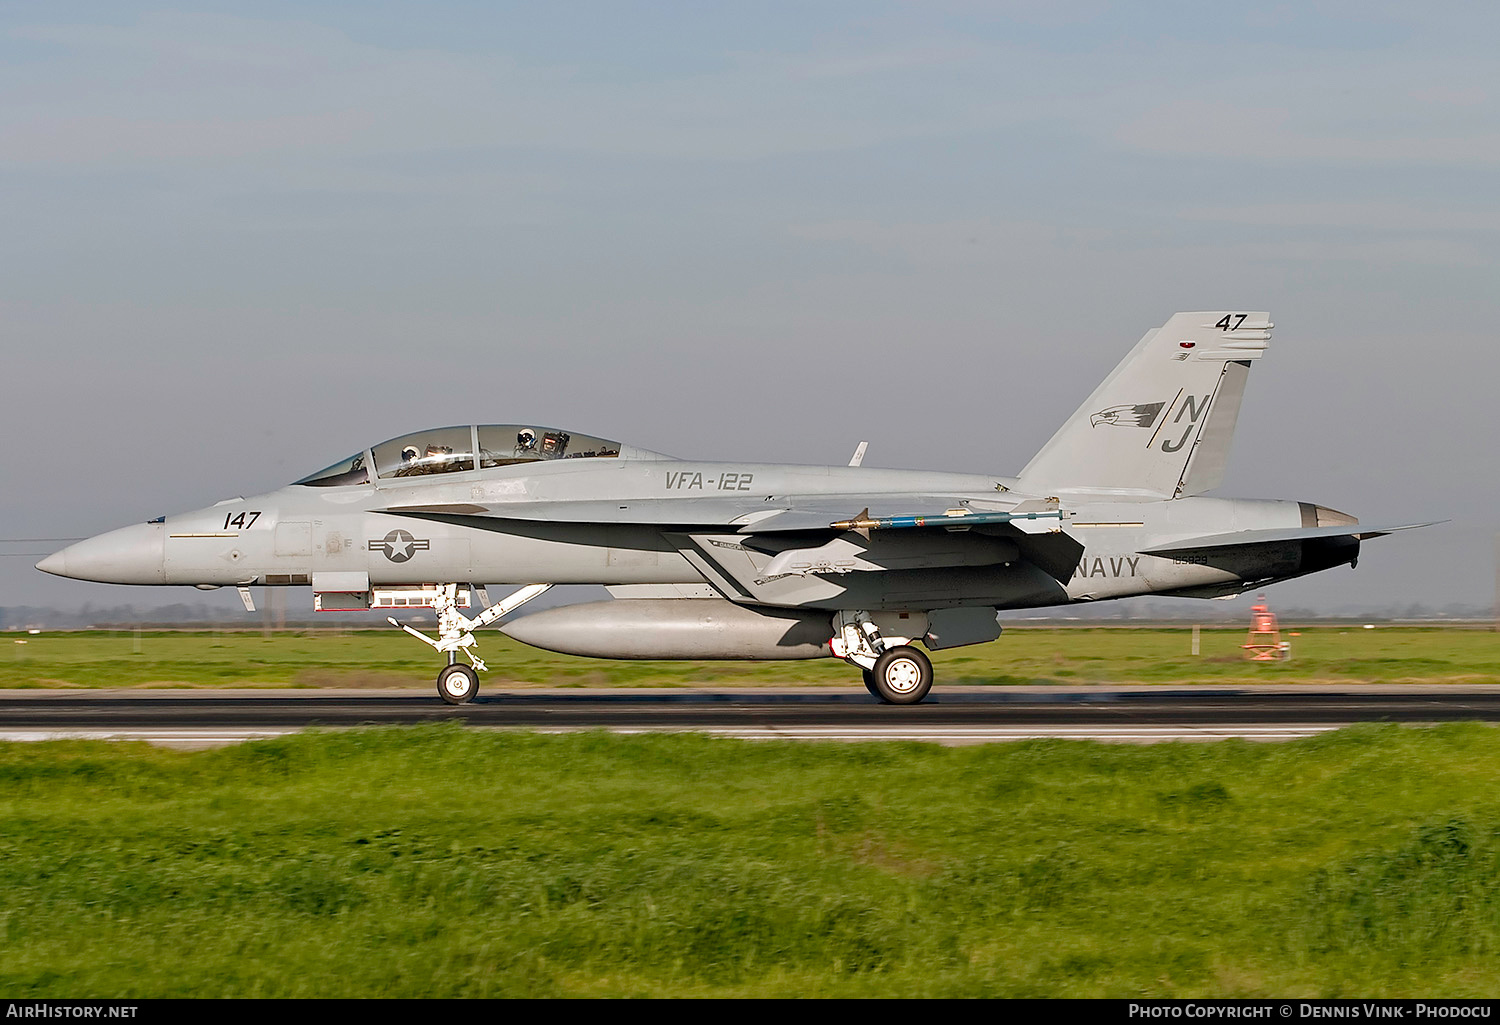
(660, 512)
(1271, 535)
(889, 551)
(887, 570)
(774, 514)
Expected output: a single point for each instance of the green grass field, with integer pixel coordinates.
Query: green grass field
(436, 861)
(1026, 655)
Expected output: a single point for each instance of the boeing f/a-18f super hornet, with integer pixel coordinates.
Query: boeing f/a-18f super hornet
(731, 560)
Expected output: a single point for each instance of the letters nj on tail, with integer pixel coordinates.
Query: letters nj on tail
(1161, 423)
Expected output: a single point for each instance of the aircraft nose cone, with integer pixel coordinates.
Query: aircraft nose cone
(130, 555)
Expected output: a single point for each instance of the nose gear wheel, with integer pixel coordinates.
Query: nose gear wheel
(457, 684)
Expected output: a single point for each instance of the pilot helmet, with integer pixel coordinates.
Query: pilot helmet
(408, 453)
(526, 438)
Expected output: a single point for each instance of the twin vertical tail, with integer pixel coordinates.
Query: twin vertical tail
(1160, 425)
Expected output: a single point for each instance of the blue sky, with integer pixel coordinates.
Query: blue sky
(238, 241)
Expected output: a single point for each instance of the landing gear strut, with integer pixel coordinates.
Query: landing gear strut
(458, 683)
(897, 674)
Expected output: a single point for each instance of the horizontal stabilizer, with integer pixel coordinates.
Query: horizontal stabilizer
(1275, 534)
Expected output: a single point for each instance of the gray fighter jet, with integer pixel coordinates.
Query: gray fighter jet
(732, 560)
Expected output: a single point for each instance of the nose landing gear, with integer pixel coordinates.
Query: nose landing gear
(458, 683)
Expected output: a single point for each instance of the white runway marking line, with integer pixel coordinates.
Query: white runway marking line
(166, 737)
(931, 734)
(998, 734)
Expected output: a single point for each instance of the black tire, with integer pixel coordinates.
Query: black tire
(457, 684)
(902, 676)
(870, 683)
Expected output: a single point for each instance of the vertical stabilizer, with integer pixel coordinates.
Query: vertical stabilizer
(1160, 425)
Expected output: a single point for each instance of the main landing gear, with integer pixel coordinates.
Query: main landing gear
(458, 683)
(897, 674)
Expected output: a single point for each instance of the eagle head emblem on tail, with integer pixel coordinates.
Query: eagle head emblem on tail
(1128, 416)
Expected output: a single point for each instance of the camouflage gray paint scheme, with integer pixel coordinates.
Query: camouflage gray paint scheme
(759, 560)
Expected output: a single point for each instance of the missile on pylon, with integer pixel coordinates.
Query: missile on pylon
(959, 517)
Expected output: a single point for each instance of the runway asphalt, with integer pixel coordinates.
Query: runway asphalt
(953, 715)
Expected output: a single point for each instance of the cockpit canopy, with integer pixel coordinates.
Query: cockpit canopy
(455, 449)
